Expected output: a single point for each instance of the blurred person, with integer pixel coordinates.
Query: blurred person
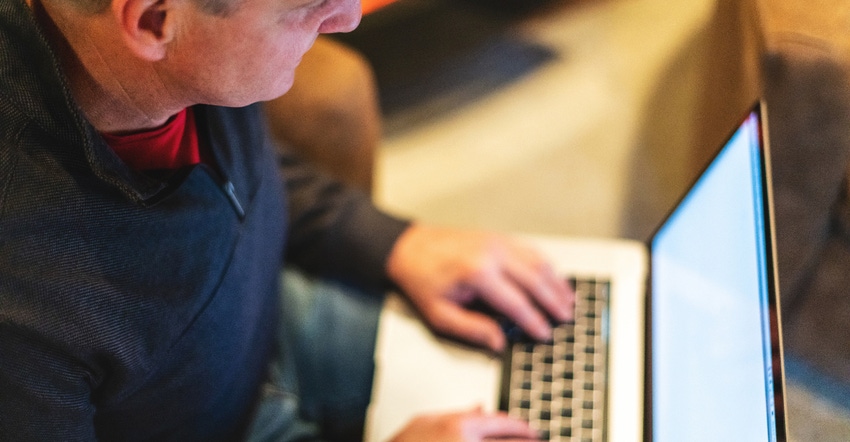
(331, 116)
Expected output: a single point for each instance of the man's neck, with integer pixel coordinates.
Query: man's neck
(117, 92)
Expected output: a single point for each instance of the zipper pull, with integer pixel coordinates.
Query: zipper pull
(231, 195)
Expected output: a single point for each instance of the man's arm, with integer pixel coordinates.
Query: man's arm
(335, 231)
(43, 394)
(441, 270)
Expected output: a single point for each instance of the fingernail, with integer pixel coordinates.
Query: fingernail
(544, 332)
(497, 343)
(565, 313)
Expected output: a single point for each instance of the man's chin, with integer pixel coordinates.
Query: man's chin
(281, 88)
(268, 95)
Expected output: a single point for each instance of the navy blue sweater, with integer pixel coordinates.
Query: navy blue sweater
(143, 306)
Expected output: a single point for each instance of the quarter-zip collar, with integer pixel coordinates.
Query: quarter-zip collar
(33, 86)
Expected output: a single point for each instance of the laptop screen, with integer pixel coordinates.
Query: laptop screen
(712, 302)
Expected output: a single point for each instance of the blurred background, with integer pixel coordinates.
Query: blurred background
(591, 117)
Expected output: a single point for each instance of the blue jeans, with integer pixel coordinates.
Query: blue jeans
(319, 387)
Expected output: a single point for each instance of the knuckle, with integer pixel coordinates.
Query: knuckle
(438, 320)
(477, 270)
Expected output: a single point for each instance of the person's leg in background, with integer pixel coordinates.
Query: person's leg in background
(331, 116)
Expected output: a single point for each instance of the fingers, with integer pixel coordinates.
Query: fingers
(479, 426)
(512, 279)
(506, 297)
(451, 319)
(436, 267)
(537, 278)
(524, 288)
(466, 426)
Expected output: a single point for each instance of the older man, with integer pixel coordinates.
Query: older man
(145, 216)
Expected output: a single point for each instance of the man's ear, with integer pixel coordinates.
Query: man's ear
(147, 26)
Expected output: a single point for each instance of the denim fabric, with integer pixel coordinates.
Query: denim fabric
(321, 382)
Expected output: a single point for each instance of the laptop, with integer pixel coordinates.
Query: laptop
(673, 340)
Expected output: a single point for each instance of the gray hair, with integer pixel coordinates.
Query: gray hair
(214, 7)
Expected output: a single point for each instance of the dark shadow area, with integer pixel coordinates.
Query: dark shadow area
(807, 90)
(701, 96)
(431, 57)
(824, 386)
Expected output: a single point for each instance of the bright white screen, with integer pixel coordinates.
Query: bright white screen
(711, 376)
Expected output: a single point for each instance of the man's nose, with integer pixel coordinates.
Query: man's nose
(343, 16)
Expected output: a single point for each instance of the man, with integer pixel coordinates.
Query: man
(144, 220)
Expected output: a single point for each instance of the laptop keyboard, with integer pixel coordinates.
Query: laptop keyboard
(559, 388)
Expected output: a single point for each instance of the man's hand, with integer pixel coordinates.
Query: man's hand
(442, 270)
(468, 426)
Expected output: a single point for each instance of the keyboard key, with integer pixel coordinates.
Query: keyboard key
(580, 393)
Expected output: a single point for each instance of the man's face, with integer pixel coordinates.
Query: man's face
(249, 54)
